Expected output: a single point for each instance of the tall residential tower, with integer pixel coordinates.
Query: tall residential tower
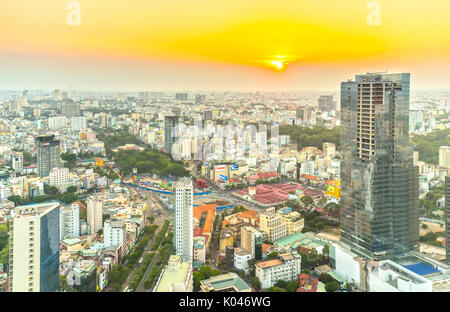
(183, 219)
(34, 248)
(48, 154)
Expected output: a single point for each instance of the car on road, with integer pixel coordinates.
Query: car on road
(140, 260)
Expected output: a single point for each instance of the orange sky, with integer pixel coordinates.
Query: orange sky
(217, 44)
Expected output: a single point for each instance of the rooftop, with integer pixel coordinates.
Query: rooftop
(268, 263)
(226, 281)
(168, 277)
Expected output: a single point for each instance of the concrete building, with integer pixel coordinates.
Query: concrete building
(17, 162)
(444, 157)
(57, 122)
(200, 249)
(271, 223)
(71, 109)
(287, 268)
(59, 177)
(34, 248)
(176, 276)
(48, 154)
(251, 241)
(94, 213)
(114, 232)
(78, 123)
(388, 276)
(170, 125)
(241, 257)
(70, 221)
(326, 103)
(329, 149)
(294, 222)
(229, 282)
(183, 219)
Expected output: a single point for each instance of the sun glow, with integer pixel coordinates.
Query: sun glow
(278, 64)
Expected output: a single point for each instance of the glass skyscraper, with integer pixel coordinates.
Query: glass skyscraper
(170, 124)
(34, 252)
(48, 154)
(379, 183)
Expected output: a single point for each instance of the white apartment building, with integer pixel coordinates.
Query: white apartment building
(70, 221)
(34, 248)
(388, 276)
(59, 177)
(56, 123)
(183, 219)
(328, 149)
(308, 167)
(294, 222)
(17, 162)
(200, 249)
(94, 213)
(114, 232)
(271, 223)
(78, 123)
(241, 257)
(444, 157)
(287, 267)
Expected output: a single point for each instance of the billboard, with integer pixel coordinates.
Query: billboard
(222, 177)
(334, 189)
(220, 168)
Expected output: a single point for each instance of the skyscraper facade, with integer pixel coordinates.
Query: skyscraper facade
(326, 103)
(34, 252)
(48, 154)
(183, 219)
(447, 217)
(379, 183)
(70, 109)
(70, 221)
(170, 124)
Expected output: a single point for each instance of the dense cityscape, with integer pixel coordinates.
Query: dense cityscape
(339, 191)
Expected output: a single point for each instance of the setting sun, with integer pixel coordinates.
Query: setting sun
(278, 64)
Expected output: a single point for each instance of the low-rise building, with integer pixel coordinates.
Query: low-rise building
(200, 249)
(176, 276)
(287, 267)
(272, 224)
(294, 222)
(229, 282)
(241, 257)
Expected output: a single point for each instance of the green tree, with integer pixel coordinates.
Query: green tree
(256, 283)
(325, 278)
(272, 255)
(331, 286)
(307, 200)
(197, 277)
(281, 284)
(72, 189)
(292, 286)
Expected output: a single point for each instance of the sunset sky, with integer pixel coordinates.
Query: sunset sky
(220, 44)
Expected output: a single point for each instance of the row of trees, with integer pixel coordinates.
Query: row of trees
(149, 161)
(315, 136)
(51, 193)
(428, 145)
